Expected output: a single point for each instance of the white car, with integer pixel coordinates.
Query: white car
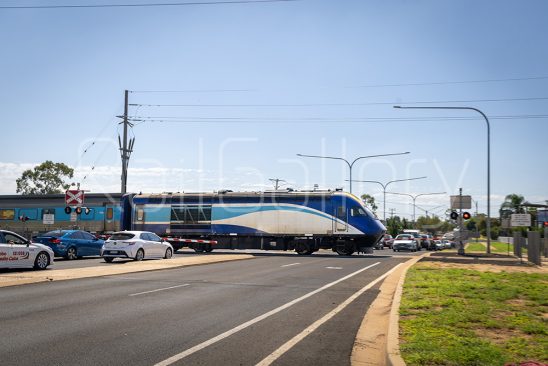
(137, 245)
(405, 242)
(18, 252)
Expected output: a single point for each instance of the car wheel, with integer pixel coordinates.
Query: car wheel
(140, 255)
(169, 253)
(71, 253)
(42, 261)
(394, 249)
(108, 260)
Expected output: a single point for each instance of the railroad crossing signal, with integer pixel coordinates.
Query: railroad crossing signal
(23, 218)
(465, 215)
(74, 198)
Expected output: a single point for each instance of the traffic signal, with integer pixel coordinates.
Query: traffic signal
(68, 210)
(78, 210)
(454, 215)
(466, 215)
(545, 223)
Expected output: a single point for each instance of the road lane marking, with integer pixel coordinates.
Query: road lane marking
(299, 337)
(160, 289)
(257, 319)
(289, 265)
(333, 267)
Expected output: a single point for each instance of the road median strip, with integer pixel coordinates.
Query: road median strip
(22, 278)
(377, 340)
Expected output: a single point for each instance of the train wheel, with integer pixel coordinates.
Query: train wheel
(344, 251)
(303, 249)
(208, 248)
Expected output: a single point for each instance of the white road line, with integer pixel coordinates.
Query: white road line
(299, 337)
(249, 323)
(160, 289)
(333, 267)
(289, 265)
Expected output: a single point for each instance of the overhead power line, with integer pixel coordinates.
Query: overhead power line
(450, 82)
(342, 104)
(143, 5)
(263, 120)
(196, 91)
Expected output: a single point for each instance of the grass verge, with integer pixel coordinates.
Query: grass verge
(465, 317)
(496, 247)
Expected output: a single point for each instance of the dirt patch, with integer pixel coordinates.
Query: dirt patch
(500, 336)
(483, 267)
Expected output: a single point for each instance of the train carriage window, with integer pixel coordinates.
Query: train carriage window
(140, 214)
(7, 214)
(110, 213)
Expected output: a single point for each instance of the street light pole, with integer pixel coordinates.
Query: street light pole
(414, 197)
(488, 162)
(384, 189)
(350, 164)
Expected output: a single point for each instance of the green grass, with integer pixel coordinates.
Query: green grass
(497, 247)
(464, 317)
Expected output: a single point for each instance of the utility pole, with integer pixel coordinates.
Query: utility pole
(392, 212)
(125, 150)
(459, 221)
(276, 182)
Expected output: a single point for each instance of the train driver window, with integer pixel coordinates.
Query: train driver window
(357, 211)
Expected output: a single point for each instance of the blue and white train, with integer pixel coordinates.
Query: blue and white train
(286, 220)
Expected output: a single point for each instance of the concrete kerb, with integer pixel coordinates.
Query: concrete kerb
(14, 279)
(377, 341)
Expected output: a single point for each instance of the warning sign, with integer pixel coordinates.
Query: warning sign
(74, 198)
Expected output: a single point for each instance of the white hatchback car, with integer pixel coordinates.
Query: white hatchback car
(18, 252)
(136, 245)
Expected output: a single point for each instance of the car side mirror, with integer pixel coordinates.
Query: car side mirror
(95, 239)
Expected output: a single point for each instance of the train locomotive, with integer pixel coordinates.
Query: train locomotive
(304, 221)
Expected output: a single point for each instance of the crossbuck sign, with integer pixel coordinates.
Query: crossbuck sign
(74, 198)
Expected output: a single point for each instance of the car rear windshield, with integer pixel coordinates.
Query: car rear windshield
(121, 236)
(56, 233)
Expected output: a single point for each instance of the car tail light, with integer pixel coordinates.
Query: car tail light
(129, 242)
(54, 241)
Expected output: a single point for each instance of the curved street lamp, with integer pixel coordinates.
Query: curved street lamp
(384, 189)
(414, 197)
(350, 164)
(488, 228)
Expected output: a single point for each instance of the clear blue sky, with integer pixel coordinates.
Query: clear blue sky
(63, 73)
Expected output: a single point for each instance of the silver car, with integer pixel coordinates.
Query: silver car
(18, 252)
(137, 245)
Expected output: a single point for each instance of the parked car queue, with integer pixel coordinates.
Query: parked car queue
(412, 241)
(18, 252)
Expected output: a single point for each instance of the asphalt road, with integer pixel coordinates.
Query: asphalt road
(234, 313)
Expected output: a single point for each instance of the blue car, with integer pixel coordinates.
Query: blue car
(71, 244)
